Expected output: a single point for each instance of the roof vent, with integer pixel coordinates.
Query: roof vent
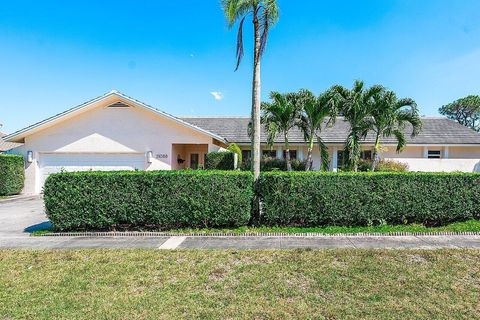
(118, 105)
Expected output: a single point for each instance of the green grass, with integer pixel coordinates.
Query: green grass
(215, 284)
(465, 226)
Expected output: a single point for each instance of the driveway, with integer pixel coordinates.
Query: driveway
(18, 218)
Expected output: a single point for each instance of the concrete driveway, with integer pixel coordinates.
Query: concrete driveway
(20, 217)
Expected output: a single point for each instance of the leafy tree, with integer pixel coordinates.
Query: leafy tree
(465, 111)
(264, 15)
(279, 117)
(355, 106)
(233, 147)
(314, 111)
(389, 116)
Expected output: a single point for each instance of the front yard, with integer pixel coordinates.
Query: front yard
(146, 284)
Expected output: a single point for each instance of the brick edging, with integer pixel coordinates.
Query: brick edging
(251, 234)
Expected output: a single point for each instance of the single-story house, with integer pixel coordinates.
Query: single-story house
(5, 146)
(116, 132)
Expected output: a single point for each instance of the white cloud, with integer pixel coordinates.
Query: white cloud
(217, 95)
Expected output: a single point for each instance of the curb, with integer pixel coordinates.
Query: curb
(253, 234)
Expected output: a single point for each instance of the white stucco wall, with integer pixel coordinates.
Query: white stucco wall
(459, 158)
(111, 130)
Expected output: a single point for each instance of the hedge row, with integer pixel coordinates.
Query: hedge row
(220, 161)
(359, 199)
(160, 199)
(12, 174)
(208, 199)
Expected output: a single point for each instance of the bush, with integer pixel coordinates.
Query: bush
(275, 164)
(220, 161)
(236, 149)
(158, 199)
(383, 166)
(391, 166)
(361, 199)
(12, 174)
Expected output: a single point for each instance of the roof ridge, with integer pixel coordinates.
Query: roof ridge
(213, 116)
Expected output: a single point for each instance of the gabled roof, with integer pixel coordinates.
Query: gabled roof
(5, 146)
(436, 130)
(21, 134)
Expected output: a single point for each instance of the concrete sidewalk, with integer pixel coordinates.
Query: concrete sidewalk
(23, 215)
(176, 242)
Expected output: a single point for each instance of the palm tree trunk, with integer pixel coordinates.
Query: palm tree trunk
(309, 155)
(287, 153)
(375, 151)
(256, 100)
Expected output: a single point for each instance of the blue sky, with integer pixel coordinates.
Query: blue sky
(174, 54)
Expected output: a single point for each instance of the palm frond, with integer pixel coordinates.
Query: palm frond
(240, 51)
(398, 134)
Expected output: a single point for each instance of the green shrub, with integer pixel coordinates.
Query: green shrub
(383, 166)
(12, 174)
(361, 199)
(391, 166)
(159, 199)
(220, 161)
(275, 164)
(233, 147)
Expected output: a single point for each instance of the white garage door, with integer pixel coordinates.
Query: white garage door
(53, 163)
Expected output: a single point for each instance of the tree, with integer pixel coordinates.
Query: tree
(264, 15)
(279, 117)
(314, 111)
(389, 116)
(233, 147)
(465, 111)
(355, 105)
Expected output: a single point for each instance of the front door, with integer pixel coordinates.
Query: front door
(194, 159)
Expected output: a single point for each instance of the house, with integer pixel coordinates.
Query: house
(117, 132)
(5, 146)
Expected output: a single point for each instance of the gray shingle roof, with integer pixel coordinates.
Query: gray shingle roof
(5, 146)
(435, 131)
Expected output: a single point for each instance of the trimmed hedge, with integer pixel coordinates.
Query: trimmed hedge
(360, 199)
(220, 161)
(12, 174)
(159, 199)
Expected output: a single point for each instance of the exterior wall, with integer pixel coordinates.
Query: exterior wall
(454, 158)
(111, 130)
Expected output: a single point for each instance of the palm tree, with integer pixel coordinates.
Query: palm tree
(314, 111)
(389, 117)
(355, 106)
(264, 15)
(279, 117)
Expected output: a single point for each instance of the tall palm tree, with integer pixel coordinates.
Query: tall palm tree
(389, 117)
(314, 111)
(279, 117)
(264, 15)
(355, 106)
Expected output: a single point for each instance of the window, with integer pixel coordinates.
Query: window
(366, 155)
(341, 159)
(293, 154)
(246, 155)
(269, 153)
(434, 154)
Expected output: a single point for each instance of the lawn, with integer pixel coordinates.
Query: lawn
(214, 284)
(464, 226)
